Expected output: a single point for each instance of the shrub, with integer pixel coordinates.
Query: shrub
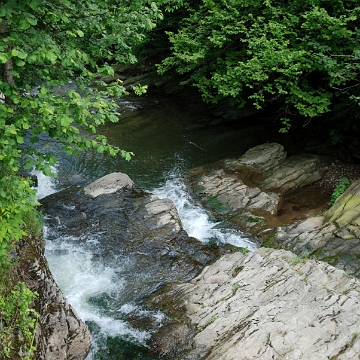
(344, 183)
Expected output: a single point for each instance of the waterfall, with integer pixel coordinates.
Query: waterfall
(46, 184)
(195, 219)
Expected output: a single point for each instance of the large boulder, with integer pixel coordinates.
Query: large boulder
(269, 304)
(227, 192)
(257, 160)
(108, 184)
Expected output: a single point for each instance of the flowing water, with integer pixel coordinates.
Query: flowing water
(168, 137)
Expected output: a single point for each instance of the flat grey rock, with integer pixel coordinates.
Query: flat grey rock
(270, 304)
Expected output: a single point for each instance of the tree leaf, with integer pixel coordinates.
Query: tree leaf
(32, 20)
(14, 52)
(3, 58)
(51, 56)
(19, 62)
(23, 24)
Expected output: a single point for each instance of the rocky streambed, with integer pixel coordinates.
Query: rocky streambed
(219, 302)
(275, 304)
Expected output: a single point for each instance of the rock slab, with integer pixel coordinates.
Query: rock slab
(253, 188)
(270, 304)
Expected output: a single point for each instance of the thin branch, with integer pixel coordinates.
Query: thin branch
(346, 88)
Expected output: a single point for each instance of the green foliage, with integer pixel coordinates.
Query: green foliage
(17, 199)
(301, 54)
(235, 288)
(43, 45)
(344, 183)
(243, 250)
(299, 259)
(18, 322)
(48, 43)
(213, 318)
(140, 89)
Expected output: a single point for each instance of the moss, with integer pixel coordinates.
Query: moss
(341, 209)
(252, 219)
(214, 203)
(332, 260)
(199, 190)
(270, 241)
(238, 269)
(308, 248)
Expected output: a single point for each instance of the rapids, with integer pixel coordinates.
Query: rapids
(167, 138)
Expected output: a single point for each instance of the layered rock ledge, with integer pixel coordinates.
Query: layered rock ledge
(269, 304)
(253, 188)
(333, 237)
(285, 202)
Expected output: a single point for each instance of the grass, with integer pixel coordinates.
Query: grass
(299, 259)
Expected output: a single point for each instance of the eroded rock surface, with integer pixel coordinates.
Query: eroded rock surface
(61, 334)
(229, 192)
(293, 173)
(270, 304)
(334, 237)
(252, 188)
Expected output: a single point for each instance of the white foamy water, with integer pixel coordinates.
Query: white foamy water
(82, 278)
(196, 220)
(46, 184)
(94, 286)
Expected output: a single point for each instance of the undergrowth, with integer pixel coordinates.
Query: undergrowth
(344, 183)
(18, 319)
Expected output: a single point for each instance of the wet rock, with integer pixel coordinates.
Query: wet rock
(270, 304)
(108, 184)
(132, 226)
(61, 334)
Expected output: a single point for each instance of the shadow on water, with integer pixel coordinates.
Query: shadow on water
(163, 133)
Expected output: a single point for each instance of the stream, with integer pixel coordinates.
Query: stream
(168, 136)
